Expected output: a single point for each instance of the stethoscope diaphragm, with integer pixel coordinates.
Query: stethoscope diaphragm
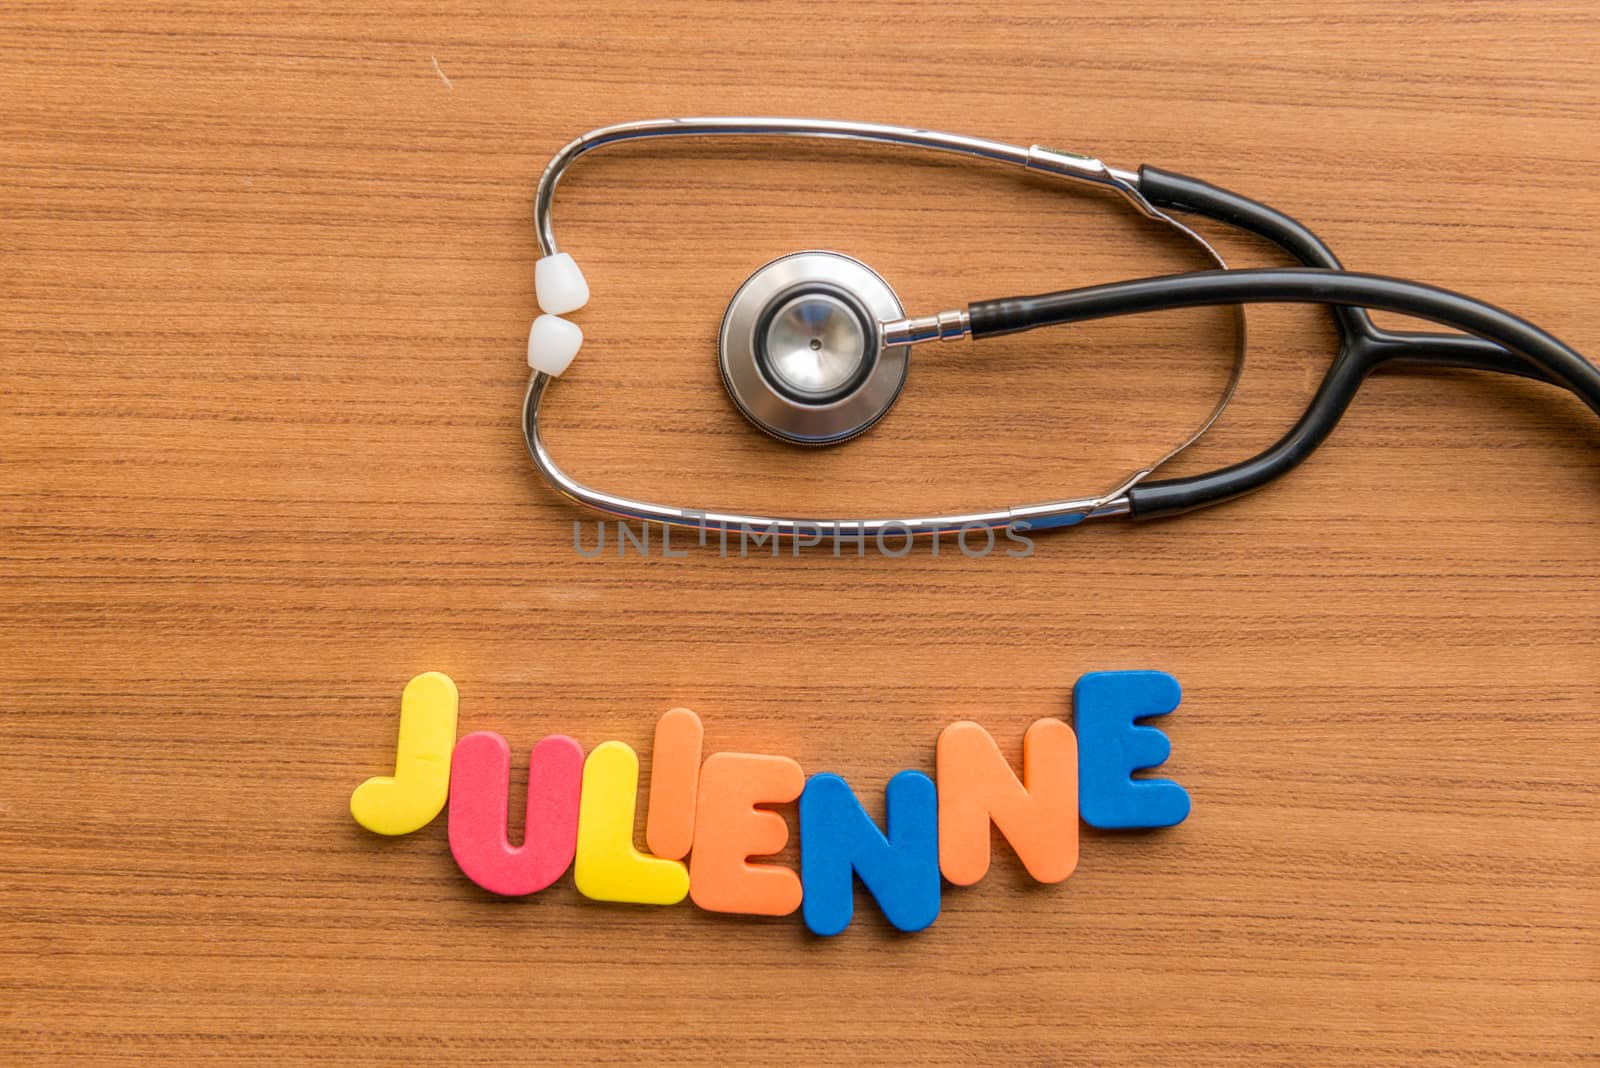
(801, 348)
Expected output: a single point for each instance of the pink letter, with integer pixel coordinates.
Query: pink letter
(480, 785)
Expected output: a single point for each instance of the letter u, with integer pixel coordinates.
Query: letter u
(600, 541)
(480, 788)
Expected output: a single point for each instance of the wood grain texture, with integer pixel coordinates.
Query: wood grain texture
(266, 280)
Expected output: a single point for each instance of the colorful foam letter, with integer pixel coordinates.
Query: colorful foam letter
(837, 837)
(1110, 745)
(1038, 815)
(480, 786)
(409, 799)
(608, 867)
(674, 774)
(729, 829)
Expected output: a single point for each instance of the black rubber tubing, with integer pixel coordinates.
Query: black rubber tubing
(1179, 192)
(1365, 347)
(1294, 285)
(1288, 285)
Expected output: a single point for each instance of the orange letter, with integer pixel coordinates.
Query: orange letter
(674, 766)
(729, 829)
(1038, 816)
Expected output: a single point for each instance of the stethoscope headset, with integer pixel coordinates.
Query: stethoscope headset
(814, 346)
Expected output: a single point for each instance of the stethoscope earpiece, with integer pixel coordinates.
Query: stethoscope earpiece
(559, 285)
(552, 343)
(560, 288)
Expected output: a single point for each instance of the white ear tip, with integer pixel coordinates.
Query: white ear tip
(552, 343)
(559, 284)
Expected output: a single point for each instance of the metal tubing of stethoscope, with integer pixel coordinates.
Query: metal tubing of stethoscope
(1035, 157)
(950, 325)
(1024, 517)
(895, 334)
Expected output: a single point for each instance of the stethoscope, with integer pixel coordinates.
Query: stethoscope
(814, 346)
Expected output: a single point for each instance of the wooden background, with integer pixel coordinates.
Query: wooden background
(266, 283)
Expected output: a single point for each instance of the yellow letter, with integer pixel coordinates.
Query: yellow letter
(608, 867)
(409, 799)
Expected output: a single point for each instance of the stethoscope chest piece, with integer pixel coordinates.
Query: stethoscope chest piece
(801, 348)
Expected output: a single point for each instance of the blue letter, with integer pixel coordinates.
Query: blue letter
(1105, 706)
(837, 837)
